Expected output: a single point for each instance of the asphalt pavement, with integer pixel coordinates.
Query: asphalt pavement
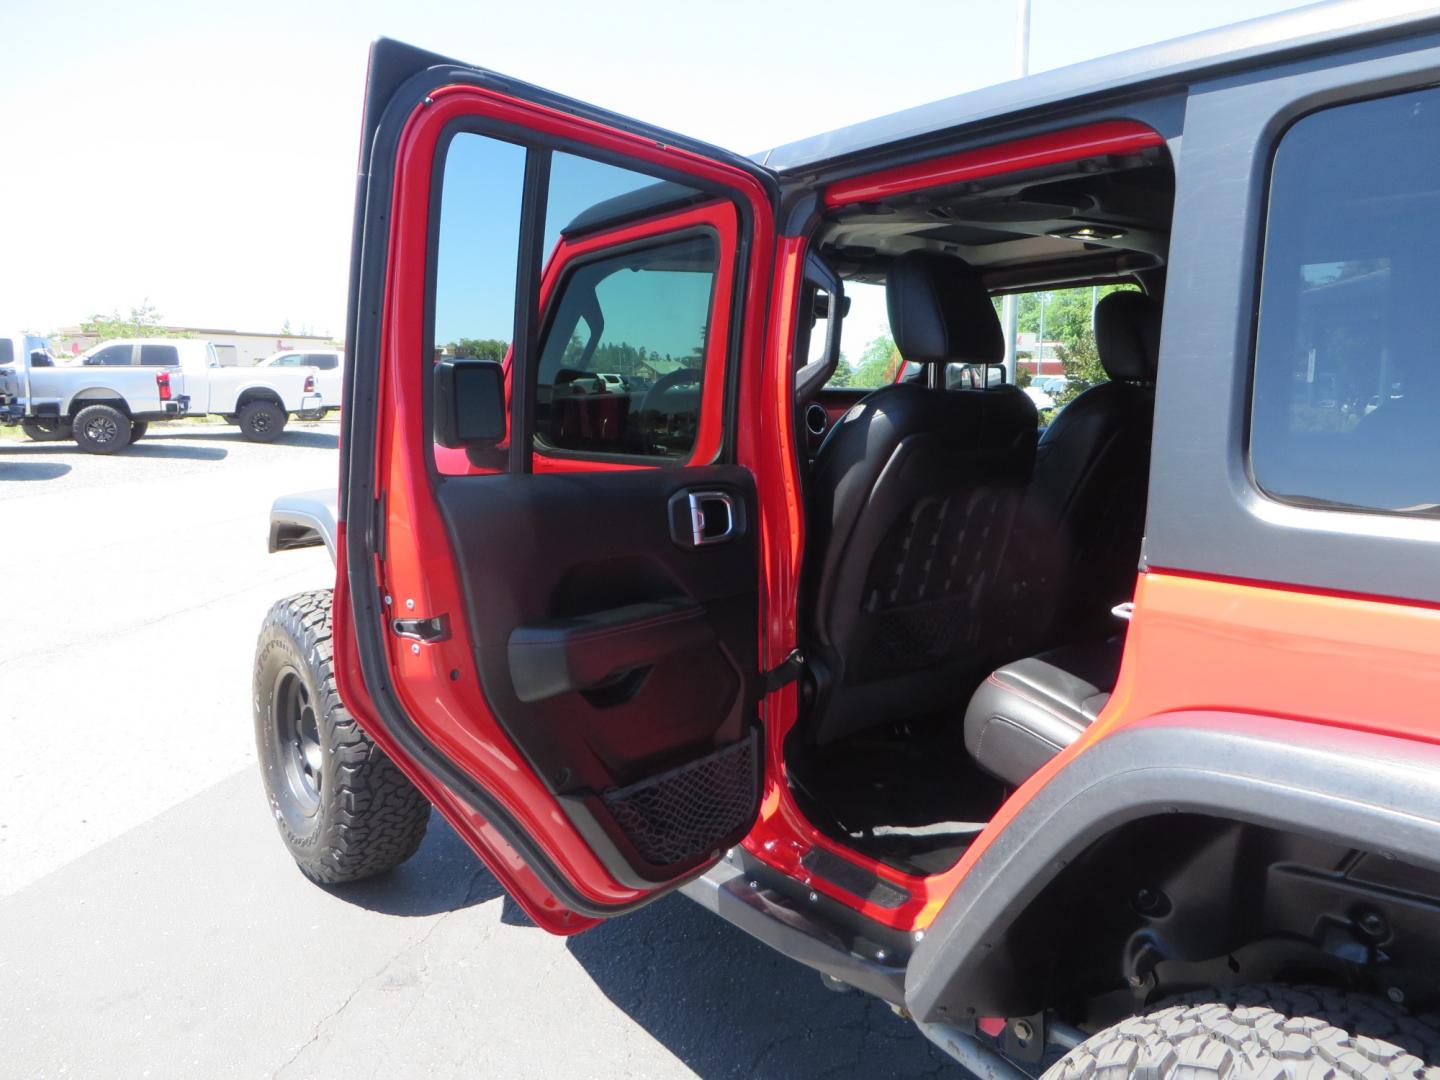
(151, 923)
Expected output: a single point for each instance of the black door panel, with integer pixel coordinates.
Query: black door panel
(621, 660)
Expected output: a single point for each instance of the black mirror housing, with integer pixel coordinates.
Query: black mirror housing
(469, 404)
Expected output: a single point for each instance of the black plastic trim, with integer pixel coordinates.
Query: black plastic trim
(1373, 792)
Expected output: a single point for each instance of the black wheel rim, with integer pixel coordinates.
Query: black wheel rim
(260, 422)
(297, 735)
(101, 429)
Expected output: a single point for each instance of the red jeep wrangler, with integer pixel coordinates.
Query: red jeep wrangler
(641, 599)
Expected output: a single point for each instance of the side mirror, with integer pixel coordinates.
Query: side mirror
(469, 404)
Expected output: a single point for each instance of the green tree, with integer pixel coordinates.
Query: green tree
(878, 363)
(1081, 361)
(479, 348)
(144, 321)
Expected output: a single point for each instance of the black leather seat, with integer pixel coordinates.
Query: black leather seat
(1084, 523)
(1084, 516)
(1027, 712)
(911, 502)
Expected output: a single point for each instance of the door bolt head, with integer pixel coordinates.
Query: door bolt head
(409, 605)
(814, 897)
(415, 648)
(1396, 995)
(388, 601)
(1024, 1031)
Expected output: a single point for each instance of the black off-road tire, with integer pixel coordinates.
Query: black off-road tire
(343, 809)
(138, 429)
(101, 429)
(1267, 1032)
(261, 421)
(45, 430)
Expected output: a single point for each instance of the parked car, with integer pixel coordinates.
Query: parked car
(329, 365)
(1113, 756)
(102, 409)
(1039, 398)
(258, 401)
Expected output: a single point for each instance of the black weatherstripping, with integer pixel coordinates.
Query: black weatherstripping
(400, 79)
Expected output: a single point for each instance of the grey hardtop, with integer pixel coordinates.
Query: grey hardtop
(1314, 29)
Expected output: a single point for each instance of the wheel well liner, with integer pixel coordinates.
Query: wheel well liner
(1362, 790)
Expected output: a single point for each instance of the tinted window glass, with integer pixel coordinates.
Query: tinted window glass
(112, 355)
(623, 358)
(324, 361)
(290, 360)
(159, 355)
(1346, 408)
(7, 351)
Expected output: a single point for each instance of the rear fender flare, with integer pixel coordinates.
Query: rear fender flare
(1369, 791)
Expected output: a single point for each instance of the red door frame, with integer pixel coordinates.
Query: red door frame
(452, 713)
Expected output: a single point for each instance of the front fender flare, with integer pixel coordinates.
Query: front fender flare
(304, 520)
(1370, 791)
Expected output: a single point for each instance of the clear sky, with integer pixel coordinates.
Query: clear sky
(201, 155)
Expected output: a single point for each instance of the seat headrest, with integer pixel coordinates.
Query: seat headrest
(940, 311)
(1127, 336)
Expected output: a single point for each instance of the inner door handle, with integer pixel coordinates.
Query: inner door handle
(699, 518)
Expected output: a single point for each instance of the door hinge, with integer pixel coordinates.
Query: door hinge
(435, 628)
(787, 672)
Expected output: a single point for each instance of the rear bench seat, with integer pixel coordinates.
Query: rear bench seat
(1025, 713)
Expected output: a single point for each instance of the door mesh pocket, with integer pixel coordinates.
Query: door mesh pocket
(690, 810)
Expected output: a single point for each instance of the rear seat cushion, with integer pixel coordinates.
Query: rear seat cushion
(1025, 713)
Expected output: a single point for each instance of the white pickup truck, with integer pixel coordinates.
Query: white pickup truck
(258, 400)
(107, 399)
(103, 410)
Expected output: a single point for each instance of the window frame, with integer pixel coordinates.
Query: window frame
(563, 273)
(536, 271)
(1312, 502)
(1206, 516)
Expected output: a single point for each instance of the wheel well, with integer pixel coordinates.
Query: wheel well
(81, 401)
(258, 394)
(1176, 902)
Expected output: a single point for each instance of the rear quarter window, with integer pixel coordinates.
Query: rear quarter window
(159, 356)
(1345, 409)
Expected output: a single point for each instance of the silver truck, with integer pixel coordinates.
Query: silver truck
(109, 398)
(103, 408)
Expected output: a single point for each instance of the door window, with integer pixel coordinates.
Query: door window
(622, 365)
(626, 305)
(1346, 400)
(7, 351)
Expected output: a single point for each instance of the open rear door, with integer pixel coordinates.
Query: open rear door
(552, 622)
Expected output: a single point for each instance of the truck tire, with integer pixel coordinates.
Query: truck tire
(101, 429)
(138, 429)
(1255, 1032)
(342, 807)
(52, 430)
(261, 421)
